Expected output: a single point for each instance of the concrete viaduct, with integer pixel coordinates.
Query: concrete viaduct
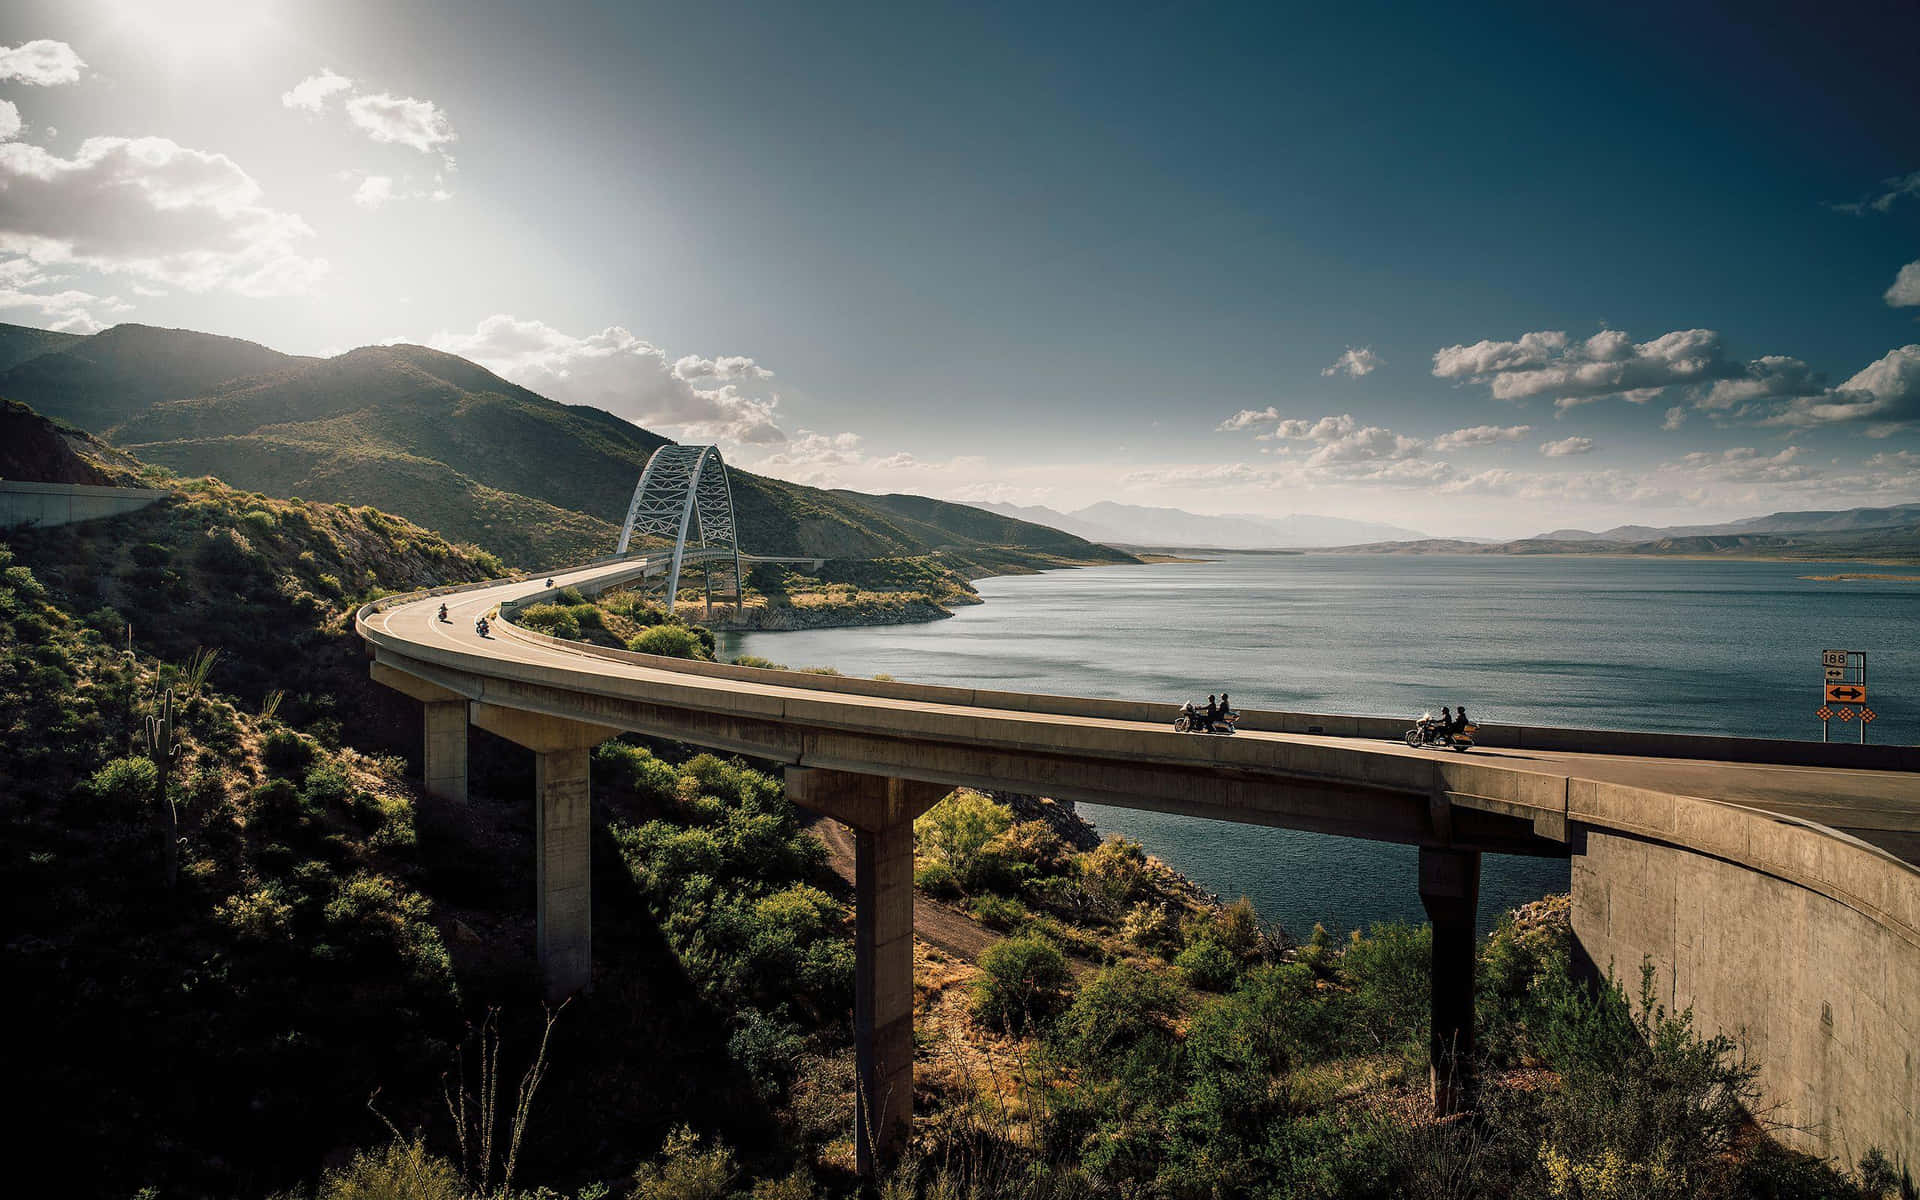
(1772, 884)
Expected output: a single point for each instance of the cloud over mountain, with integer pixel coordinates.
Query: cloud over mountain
(1610, 363)
(625, 375)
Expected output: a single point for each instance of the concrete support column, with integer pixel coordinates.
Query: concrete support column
(562, 847)
(562, 837)
(883, 992)
(445, 759)
(1450, 891)
(881, 812)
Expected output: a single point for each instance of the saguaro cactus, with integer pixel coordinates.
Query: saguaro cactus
(164, 751)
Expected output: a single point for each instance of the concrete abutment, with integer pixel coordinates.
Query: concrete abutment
(444, 756)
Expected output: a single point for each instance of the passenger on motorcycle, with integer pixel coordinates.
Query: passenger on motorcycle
(1459, 721)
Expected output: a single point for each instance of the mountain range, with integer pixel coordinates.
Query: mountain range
(1138, 525)
(452, 446)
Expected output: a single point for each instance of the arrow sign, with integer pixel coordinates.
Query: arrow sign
(1846, 693)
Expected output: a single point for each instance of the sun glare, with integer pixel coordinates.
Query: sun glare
(186, 29)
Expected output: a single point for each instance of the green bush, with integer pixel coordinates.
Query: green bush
(686, 1169)
(1113, 875)
(937, 879)
(1388, 970)
(126, 783)
(999, 912)
(670, 641)
(286, 752)
(550, 619)
(956, 831)
(1023, 981)
(398, 1171)
(1118, 1009)
(1208, 966)
(754, 660)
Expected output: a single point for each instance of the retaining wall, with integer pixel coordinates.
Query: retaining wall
(24, 503)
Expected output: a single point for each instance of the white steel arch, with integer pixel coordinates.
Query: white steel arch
(685, 489)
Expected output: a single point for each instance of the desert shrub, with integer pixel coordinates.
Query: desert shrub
(259, 521)
(623, 766)
(999, 912)
(754, 660)
(401, 1170)
(957, 830)
(125, 784)
(1117, 1010)
(1034, 844)
(670, 641)
(550, 619)
(1646, 1104)
(1235, 926)
(686, 1168)
(1208, 966)
(768, 1049)
(1388, 970)
(937, 879)
(1113, 875)
(286, 752)
(1151, 928)
(1023, 981)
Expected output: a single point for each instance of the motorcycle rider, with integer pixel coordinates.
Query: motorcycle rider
(1459, 721)
(1442, 727)
(443, 612)
(1226, 706)
(1211, 715)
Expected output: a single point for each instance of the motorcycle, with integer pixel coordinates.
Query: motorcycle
(1193, 719)
(1428, 731)
(480, 627)
(443, 613)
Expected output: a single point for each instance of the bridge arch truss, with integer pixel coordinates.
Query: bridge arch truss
(684, 496)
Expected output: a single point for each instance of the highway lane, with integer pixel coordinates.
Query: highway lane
(1879, 807)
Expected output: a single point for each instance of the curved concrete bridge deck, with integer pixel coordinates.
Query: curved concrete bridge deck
(1772, 884)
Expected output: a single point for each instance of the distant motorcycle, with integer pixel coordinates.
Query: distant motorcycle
(480, 627)
(443, 613)
(1428, 731)
(1193, 719)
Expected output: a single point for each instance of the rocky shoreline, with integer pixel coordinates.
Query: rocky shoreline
(787, 618)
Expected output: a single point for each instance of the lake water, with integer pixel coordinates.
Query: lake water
(1699, 647)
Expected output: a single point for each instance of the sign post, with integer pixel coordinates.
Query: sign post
(1844, 683)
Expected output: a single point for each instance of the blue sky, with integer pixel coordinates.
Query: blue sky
(1228, 258)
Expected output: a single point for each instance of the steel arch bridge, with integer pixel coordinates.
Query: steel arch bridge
(684, 490)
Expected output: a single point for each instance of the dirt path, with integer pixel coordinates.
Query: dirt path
(939, 925)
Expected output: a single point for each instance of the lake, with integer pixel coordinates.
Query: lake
(1698, 647)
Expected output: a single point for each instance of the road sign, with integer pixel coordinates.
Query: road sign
(1836, 674)
(1846, 714)
(1846, 693)
(1824, 713)
(1833, 658)
(1866, 714)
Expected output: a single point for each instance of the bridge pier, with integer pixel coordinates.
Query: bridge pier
(444, 762)
(562, 838)
(444, 757)
(881, 812)
(1450, 892)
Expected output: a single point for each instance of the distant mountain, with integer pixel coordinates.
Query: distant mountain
(1138, 525)
(18, 343)
(454, 447)
(1824, 521)
(99, 381)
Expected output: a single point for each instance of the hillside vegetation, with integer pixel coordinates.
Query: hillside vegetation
(448, 444)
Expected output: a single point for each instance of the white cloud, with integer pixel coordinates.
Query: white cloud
(42, 62)
(1905, 291)
(1675, 418)
(152, 209)
(1744, 464)
(1567, 447)
(1882, 201)
(374, 191)
(1769, 377)
(619, 372)
(1481, 435)
(312, 93)
(1354, 362)
(725, 369)
(1886, 392)
(69, 310)
(1548, 363)
(9, 121)
(1248, 418)
(401, 120)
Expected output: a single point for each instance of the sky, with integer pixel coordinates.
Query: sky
(1476, 270)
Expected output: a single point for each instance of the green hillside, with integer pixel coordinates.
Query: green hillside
(18, 343)
(447, 443)
(96, 382)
